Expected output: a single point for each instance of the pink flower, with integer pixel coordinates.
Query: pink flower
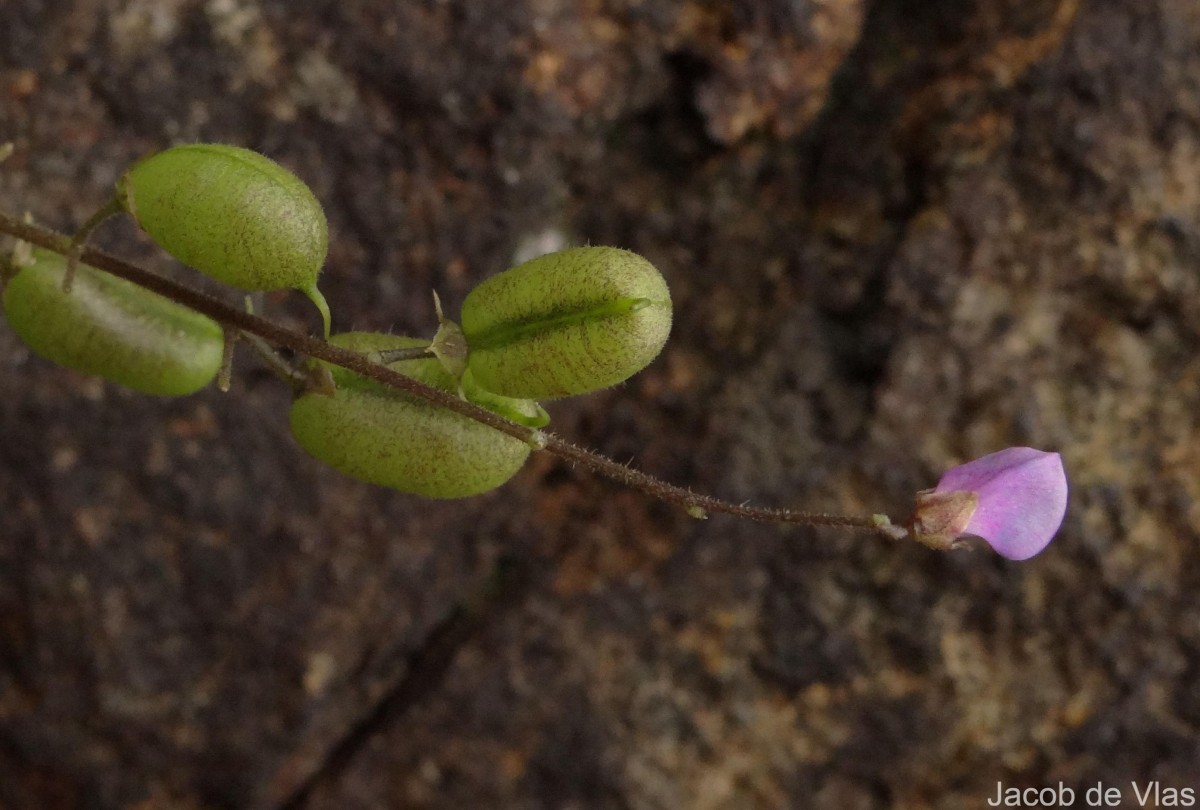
(1014, 499)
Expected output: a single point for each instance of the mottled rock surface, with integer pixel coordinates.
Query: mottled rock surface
(899, 234)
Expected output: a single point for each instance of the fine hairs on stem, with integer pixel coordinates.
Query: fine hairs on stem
(247, 324)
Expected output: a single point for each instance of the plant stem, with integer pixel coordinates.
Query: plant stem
(281, 368)
(389, 356)
(79, 240)
(696, 505)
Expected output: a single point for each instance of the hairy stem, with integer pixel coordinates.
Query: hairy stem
(79, 240)
(389, 356)
(293, 376)
(696, 504)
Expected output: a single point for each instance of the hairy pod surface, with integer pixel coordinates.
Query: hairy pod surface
(566, 323)
(232, 214)
(111, 328)
(377, 434)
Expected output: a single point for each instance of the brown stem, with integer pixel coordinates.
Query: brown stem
(79, 240)
(389, 356)
(696, 505)
(293, 376)
(225, 373)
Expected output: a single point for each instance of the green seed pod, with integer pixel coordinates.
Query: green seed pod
(377, 434)
(232, 214)
(566, 323)
(112, 328)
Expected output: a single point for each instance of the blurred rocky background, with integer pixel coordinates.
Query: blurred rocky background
(899, 234)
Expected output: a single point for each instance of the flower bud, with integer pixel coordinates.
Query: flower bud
(566, 323)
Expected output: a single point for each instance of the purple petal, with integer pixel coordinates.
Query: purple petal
(1022, 498)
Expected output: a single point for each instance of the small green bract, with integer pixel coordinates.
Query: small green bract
(377, 434)
(566, 323)
(232, 214)
(111, 328)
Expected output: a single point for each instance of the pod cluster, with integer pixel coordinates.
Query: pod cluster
(566, 323)
(562, 324)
